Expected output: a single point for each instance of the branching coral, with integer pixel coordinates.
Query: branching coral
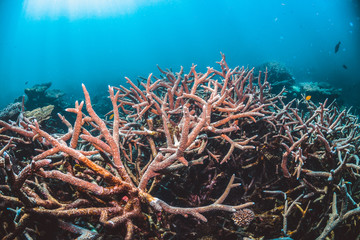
(113, 155)
(223, 124)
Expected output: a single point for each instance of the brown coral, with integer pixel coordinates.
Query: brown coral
(243, 217)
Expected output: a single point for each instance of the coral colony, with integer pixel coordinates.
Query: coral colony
(182, 152)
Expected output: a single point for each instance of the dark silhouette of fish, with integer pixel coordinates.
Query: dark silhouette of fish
(26, 82)
(337, 47)
(344, 66)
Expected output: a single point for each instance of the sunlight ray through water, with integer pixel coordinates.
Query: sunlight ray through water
(74, 9)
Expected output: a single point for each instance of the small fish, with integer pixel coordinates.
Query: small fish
(111, 116)
(308, 97)
(26, 82)
(337, 47)
(344, 66)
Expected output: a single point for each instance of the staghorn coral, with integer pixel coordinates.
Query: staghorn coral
(114, 181)
(172, 153)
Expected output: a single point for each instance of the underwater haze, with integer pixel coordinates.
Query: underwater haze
(100, 42)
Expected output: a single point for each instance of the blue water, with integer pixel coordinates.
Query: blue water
(73, 44)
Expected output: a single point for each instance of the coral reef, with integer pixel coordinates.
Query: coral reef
(188, 156)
